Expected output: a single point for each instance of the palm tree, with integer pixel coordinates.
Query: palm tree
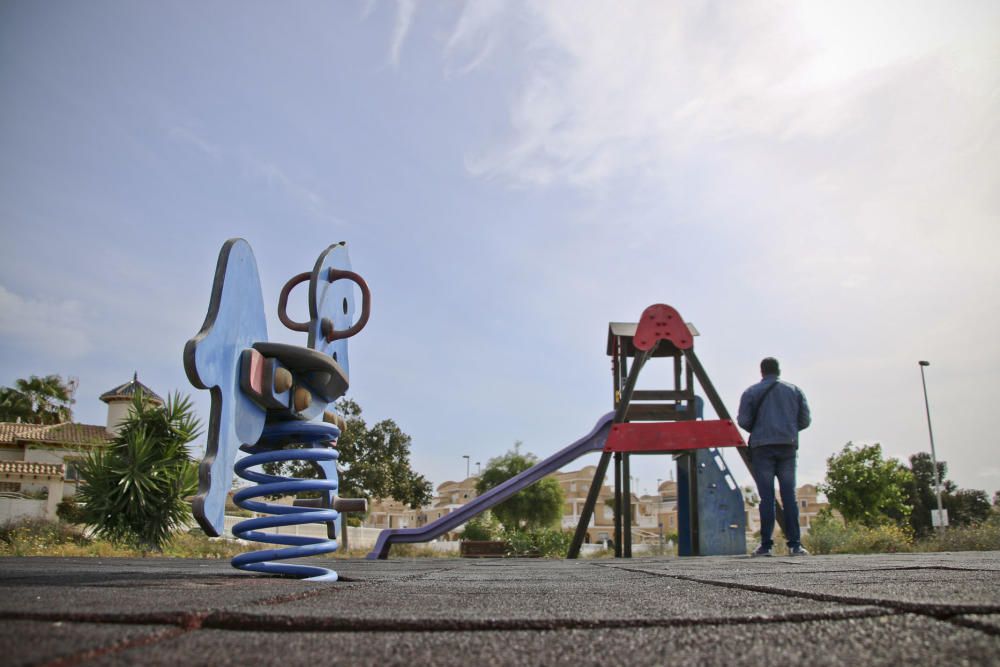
(14, 406)
(133, 491)
(37, 400)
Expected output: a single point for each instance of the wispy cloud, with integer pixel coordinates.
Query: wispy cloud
(187, 135)
(474, 36)
(405, 10)
(626, 89)
(277, 179)
(253, 167)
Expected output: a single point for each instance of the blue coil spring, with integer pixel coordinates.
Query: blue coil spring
(271, 448)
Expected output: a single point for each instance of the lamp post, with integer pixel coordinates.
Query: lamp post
(930, 431)
(466, 457)
(659, 512)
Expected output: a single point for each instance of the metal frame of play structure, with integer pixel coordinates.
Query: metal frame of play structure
(270, 400)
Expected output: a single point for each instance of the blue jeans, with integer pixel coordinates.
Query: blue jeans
(770, 461)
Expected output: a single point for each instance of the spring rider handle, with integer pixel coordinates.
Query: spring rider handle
(330, 333)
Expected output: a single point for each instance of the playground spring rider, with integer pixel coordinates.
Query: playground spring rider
(267, 396)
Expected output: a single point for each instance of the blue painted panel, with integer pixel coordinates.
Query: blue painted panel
(721, 518)
(331, 300)
(235, 321)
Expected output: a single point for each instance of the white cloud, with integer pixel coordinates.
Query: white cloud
(475, 35)
(405, 10)
(56, 328)
(189, 136)
(277, 179)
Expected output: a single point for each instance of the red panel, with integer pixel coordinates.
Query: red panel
(673, 436)
(256, 371)
(661, 322)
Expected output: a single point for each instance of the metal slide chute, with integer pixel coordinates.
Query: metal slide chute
(592, 442)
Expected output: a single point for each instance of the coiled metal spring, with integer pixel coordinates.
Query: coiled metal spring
(271, 448)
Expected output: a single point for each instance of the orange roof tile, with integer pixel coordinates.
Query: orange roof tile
(61, 434)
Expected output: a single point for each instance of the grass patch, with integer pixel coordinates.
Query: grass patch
(980, 537)
(35, 537)
(830, 535)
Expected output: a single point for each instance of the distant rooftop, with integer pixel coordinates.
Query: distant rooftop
(74, 434)
(125, 392)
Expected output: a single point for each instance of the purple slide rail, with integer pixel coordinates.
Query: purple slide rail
(592, 442)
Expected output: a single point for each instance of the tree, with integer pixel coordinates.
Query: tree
(14, 406)
(865, 488)
(967, 507)
(134, 490)
(375, 461)
(964, 506)
(538, 506)
(37, 400)
(922, 496)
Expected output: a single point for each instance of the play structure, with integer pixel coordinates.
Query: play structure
(270, 400)
(666, 421)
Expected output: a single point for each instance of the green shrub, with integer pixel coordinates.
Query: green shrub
(483, 527)
(984, 536)
(70, 511)
(884, 539)
(544, 542)
(828, 534)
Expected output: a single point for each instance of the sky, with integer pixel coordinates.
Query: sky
(813, 181)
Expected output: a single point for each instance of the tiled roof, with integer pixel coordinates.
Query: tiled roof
(31, 468)
(127, 391)
(60, 434)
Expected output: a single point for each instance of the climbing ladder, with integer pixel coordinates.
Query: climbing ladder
(668, 421)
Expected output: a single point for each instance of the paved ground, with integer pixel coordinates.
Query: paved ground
(824, 610)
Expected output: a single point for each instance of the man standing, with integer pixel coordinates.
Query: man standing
(774, 412)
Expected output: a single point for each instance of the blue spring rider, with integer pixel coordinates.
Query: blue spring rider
(270, 400)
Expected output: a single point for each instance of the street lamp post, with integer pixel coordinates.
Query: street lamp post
(930, 431)
(466, 457)
(659, 512)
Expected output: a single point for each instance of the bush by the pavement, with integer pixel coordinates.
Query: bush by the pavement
(483, 527)
(541, 542)
(984, 536)
(133, 491)
(829, 534)
(36, 537)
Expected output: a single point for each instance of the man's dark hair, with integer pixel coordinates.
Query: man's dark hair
(769, 366)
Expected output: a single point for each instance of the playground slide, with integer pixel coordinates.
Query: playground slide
(592, 442)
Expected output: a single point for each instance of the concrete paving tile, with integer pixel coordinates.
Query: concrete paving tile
(987, 622)
(966, 560)
(34, 642)
(623, 596)
(870, 641)
(154, 587)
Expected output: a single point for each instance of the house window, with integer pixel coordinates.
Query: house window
(72, 470)
(10, 487)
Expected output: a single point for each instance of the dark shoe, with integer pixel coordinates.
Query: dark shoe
(761, 551)
(797, 551)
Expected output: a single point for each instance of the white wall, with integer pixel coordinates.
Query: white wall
(12, 509)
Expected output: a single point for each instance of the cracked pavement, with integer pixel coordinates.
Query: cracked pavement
(821, 610)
